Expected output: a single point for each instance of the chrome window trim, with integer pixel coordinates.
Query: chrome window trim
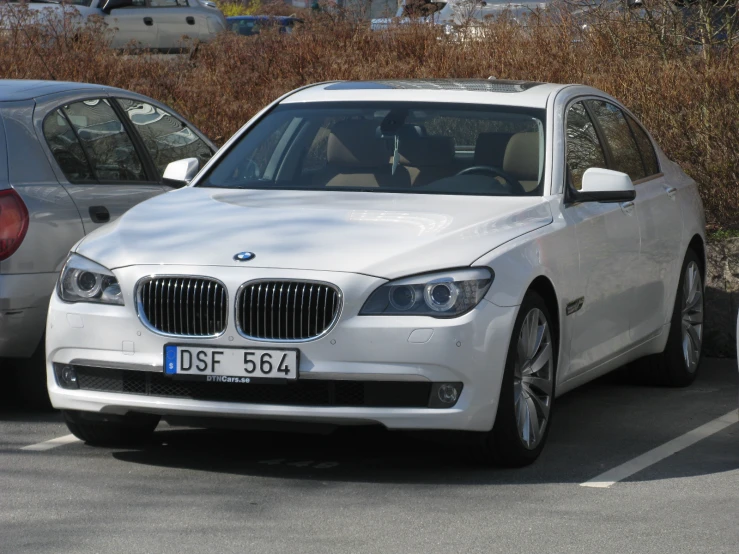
(334, 321)
(145, 322)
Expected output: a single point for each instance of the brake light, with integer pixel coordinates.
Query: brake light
(13, 222)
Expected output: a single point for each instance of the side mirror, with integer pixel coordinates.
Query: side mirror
(108, 5)
(180, 173)
(604, 185)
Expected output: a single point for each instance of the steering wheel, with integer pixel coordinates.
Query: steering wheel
(510, 179)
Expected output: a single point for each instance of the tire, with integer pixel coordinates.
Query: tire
(511, 443)
(110, 430)
(678, 364)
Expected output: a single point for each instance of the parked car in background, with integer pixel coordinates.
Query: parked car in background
(73, 157)
(438, 254)
(248, 25)
(160, 25)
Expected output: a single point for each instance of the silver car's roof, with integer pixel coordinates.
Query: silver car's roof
(12, 90)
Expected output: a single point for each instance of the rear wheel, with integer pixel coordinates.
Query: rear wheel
(525, 405)
(110, 430)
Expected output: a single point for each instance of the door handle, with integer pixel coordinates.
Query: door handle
(190, 20)
(148, 21)
(628, 208)
(671, 192)
(99, 214)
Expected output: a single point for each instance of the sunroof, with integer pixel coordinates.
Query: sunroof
(477, 85)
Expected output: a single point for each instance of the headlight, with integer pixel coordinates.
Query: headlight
(442, 294)
(83, 280)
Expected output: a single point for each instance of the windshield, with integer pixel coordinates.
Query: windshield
(414, 148)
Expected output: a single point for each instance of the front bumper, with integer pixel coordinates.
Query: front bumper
(470, 350)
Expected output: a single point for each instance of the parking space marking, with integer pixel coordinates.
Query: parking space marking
(53, 443)
(627, 469)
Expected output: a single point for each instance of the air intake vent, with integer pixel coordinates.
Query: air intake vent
(183, 306)
(286, 310)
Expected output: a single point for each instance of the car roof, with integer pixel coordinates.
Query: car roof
(21, 89)
(466, 91)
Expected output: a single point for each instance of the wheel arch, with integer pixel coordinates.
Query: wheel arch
(698, 246)
(545, 289)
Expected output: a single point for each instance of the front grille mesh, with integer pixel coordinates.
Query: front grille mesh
(304, 392)
(286, 310)
(184, 306)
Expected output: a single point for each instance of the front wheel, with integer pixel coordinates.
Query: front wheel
(110, 430)
(525, 405)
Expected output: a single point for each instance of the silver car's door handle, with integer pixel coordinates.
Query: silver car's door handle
(671, 192)
(628, 208)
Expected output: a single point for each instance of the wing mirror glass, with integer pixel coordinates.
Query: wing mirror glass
(109, 5)
(605, 185)
(178, 174)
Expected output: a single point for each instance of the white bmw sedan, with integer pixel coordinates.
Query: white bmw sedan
(439, 255)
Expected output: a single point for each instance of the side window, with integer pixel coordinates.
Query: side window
(168, 3)
(66, 148)
(166, 138)
(617, 134)
(583, 147)
(108, 147)
(649, 156)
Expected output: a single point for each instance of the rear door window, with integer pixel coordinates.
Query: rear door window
(67, 149)
(619, 138)
(110, 152)
(166, 138)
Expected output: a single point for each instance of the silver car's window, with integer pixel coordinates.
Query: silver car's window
(583, 147)
(649, 156)
(66, 148)
(168, 3)
(619, 138)
(166, 138)
(416, 148)
(105, 142)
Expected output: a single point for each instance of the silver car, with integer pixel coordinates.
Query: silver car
(159, 25)
(72, 158)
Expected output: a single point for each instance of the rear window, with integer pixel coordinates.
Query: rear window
(414, 148)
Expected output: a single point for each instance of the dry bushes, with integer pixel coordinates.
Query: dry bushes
(688, 100)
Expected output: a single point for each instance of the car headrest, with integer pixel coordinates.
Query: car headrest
(490, 148)
(353, 143)
(522, 156)
(426, 151)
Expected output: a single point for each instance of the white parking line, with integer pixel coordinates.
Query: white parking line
(619, 473)
(53, 443)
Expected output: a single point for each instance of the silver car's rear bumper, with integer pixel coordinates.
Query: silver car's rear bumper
(24, 300)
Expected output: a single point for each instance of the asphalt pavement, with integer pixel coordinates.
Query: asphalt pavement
(369, 490)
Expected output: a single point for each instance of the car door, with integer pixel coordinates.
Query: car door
(175, 20)
(630, 151)
(165, 137)
(105, 172)
(134, 24)
(607, 237)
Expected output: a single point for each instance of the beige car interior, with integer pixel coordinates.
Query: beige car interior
(357, 157)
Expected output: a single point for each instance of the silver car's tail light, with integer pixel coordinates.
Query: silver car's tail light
(183, 306)
(286, 310)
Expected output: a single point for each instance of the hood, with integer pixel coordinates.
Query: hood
(380, 234)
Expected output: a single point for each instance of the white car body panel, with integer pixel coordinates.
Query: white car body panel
(612, 270)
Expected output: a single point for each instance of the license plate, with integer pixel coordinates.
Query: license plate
(230, 365)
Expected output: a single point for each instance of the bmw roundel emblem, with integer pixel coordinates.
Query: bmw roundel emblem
(244, 256)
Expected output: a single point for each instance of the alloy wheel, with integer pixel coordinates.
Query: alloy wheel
(533, 378)
(692, 316)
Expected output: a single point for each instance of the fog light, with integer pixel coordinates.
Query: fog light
(66, 376)
(444, 395)
(447, 393)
